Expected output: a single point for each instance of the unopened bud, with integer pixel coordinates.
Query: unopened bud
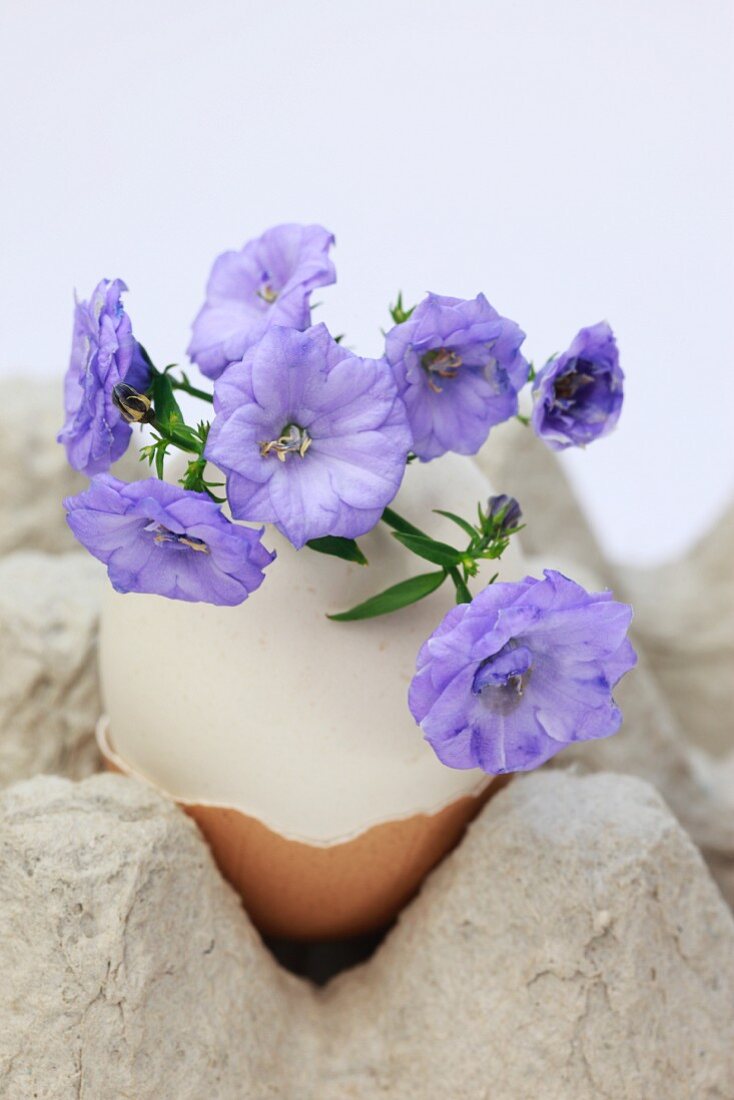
(135, 407)
(505, 511)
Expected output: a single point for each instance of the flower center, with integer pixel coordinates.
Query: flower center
(170, 538)
(266, 290)
(442, 362)
(501, 678)
(578, 375)
(293, 440)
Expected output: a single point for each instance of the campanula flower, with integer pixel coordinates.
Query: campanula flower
(103, 354)
(312, 438)
(458, 368)
(159, 538)
(268, 282)
(578, 396)
(526, 668)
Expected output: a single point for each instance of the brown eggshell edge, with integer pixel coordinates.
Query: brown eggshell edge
(302, 891)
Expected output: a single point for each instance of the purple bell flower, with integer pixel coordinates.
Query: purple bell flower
(311, 437)
(511, 678)
(578, 396)
(159, 538)
(103, 354)
(458, 368)
(268, 282)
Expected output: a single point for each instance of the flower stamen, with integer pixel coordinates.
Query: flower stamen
(568, 384)
(501, 678)
(267, 292)
(294, 440)
(441, 361)
(163, 535)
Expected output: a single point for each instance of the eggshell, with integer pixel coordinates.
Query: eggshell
(274, 714)
(323, 892)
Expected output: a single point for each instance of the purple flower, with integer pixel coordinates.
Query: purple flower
(269, 282)
(312, 438)
(458, 368)
(578, 396)
(103, 353)
(511, 678)
(159, 538)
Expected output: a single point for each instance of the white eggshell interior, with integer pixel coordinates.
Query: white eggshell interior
(274, 710)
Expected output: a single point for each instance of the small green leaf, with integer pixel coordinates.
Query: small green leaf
(463, 595)
(464, 524)
(346, 549)
(194, 475)
(394, 598)
(398, 312)
(496, 549)
(438, 552)
(160, 455)
(392, 519)
(167, 411)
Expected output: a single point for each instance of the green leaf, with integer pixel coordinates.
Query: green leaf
(168, 417)
(394, 598)
(438, 552)
(463, 595)
(462, 523)
(167, 411)
(193, 478)
(160, 455)
(496, 549)
(346, 549)
(392, 519)
(398, 312)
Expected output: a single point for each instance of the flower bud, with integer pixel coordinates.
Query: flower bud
(135, 407)
(504, 511)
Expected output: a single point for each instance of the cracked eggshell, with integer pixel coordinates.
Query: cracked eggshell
(285, 733)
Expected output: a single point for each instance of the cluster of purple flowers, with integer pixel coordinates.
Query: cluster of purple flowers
(315, 440)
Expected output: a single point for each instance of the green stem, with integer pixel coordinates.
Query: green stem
(463, 592)
(177, 439)
(188, 388)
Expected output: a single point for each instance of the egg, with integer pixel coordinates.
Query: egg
(288, 736)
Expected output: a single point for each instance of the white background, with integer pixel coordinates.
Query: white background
(573, 159)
